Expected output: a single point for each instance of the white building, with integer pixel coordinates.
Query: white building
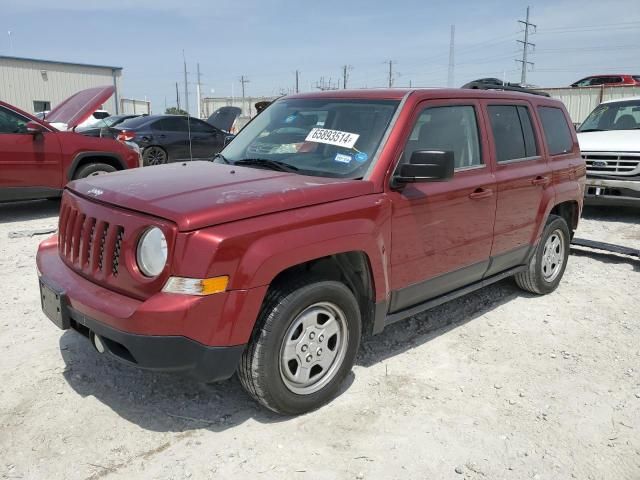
(35, 85)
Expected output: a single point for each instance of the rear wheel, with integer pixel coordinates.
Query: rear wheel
(154, 156)
(93, 169)
(549, 261)
(303, 347)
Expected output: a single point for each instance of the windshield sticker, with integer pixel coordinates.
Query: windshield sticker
(361, 157)
(332, 137)
(342, 158)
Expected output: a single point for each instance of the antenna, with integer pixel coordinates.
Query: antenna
(186, 85)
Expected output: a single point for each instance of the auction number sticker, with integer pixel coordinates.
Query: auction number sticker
(332, 137)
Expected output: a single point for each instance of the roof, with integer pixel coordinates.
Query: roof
(57, 62)
(627, 99)
(420, 93)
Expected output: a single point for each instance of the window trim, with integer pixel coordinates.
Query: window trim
(27, 119)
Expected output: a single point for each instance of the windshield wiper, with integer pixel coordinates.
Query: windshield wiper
(272, 164)
(591, 130)
(221, 157)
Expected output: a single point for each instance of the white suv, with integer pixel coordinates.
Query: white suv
(610, 144)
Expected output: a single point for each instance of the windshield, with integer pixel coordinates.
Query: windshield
(106, 122)
(613, 116)
(321, 137)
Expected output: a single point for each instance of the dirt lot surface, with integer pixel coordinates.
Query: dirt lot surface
(499, 384)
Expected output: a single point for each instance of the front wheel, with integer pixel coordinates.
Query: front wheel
(549, 260)
(303, 348)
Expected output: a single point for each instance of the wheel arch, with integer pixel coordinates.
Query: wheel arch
(87, 158)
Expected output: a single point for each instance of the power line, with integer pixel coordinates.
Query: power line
(525, 48)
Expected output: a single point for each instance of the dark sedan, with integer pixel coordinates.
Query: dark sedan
(172, 138)
(103, 127)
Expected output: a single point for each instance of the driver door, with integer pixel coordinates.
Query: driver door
(30, 164)
(442, 231)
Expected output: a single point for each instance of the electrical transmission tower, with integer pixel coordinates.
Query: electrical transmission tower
(243, 82)
(525, 48)
(345, 75)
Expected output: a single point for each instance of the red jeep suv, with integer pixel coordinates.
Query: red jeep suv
(330, 215)
(38, 158)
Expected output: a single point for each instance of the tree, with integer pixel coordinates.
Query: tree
(175, 111)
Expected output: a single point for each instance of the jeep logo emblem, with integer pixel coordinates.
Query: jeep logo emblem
(95, 192)
(599, 163)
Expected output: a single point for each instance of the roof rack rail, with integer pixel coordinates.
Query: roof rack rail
(497, 84)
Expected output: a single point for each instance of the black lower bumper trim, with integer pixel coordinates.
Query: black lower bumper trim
(163, 353)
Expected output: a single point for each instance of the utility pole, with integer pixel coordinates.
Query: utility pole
(244, 81)
(186, 85)
(198, 91)
(451, 56)
(10, 43)
(297, 81)
(177, 97)
(345, 75)
(390, 73)
(525, 48)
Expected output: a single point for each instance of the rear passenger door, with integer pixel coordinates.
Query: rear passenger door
(442, 232)
(522, 177)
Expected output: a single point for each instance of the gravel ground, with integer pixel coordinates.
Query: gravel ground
(499, 384)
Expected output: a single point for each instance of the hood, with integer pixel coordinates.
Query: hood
(610, 141)
(79, 106)
(224, 117)
(195, 195)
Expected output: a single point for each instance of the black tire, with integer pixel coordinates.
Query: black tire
(154, 155)
(93, 169)
(536, 279)
(260, 370)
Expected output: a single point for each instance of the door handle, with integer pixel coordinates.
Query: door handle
(480, 193)
(539, 180)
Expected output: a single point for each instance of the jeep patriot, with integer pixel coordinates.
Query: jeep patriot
(329, 216)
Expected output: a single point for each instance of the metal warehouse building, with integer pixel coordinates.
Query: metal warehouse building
(35, 85)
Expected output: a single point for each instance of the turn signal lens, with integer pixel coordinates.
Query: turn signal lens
(196, 286)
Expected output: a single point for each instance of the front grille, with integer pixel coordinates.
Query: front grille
(612, 163)
(88, 243)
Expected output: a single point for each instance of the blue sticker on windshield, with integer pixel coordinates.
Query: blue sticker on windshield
(290, 118)
(342, 158)
(361, 157)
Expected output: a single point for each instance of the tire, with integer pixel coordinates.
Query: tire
(547, 265)
(154, 155)
(93, 169)
(313, 317)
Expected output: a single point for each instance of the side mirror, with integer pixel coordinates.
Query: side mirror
(34, 128)
(426, 166)
(227, 139)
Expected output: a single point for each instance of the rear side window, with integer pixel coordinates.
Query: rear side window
(512, 132)
(171, 124)
(556, 130)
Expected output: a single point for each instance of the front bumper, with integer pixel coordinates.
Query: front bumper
(600, 191)
(201, 336)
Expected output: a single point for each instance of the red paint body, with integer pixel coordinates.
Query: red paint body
(252, 224)
(43, 163)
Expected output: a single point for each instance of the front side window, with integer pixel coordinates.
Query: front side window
(11, 122)
(323, 137)
(556, 130)
(613, 116)
(449, 128)
(513, 133)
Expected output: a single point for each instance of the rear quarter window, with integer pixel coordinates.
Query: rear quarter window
(556, 130)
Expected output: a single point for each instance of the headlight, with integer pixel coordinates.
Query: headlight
(152, 252)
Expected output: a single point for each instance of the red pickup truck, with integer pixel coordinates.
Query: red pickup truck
(38, 158)
(330, 215)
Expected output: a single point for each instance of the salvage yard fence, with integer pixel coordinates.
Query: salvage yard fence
(580, 101)
(130, 106)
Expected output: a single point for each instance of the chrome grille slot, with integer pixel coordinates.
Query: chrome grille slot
(612, 163)
(103, 241)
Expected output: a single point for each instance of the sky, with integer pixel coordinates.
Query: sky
(266, 41)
